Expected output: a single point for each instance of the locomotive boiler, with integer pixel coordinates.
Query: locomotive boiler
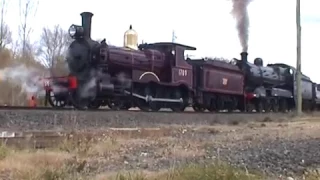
(272, 87)
(267, 76)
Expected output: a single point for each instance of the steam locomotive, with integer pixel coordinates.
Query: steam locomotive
(157, 75)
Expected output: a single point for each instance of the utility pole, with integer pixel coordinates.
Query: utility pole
(298, 73)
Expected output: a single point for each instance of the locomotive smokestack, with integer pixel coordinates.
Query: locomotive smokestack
(244, 56)
(244, 59)
(86, 23)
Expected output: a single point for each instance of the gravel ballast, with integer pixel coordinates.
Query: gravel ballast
(66, 120)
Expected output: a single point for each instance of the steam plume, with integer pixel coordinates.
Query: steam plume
(88, 90)
(124, 80)
(240, 13)
(28, 78)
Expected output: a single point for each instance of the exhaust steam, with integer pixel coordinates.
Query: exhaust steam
(124, 80)
(28, 78)
(240, 13)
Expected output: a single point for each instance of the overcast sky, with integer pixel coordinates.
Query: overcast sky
(207, 25)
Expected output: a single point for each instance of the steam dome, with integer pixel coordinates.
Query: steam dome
(258, 62)
(131, 39)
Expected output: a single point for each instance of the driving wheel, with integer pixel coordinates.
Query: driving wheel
(178, 107)
(115, 104)
(94, 105)
(56, 101)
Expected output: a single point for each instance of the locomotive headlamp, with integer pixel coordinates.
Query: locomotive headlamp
(75, 31)
(72, 30)
(291, 71)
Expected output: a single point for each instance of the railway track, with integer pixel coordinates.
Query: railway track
(187, 111)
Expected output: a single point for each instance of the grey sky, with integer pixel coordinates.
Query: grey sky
(207, 25)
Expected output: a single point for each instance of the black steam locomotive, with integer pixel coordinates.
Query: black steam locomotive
(273, 87)
(85, 61)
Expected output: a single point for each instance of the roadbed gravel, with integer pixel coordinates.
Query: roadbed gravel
(289, 149)
(66, 120)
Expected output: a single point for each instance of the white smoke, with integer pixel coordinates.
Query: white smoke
(240, 13)
(89, 88)
(124, 80)
(56, 89)
(28, 78)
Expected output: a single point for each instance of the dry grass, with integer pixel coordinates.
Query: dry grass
(71, 159)
(33, 165)
(104, 147)
(217, 171)
(54, 165)
(76, 155)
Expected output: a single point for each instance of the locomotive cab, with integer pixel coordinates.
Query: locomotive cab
(180, 71)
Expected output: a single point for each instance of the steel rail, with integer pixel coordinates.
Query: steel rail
(14, 108)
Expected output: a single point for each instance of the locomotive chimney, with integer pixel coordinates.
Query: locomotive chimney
(244, 56)
(86, 23)
(244, 59)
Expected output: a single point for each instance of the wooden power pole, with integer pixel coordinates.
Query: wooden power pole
(298, 73)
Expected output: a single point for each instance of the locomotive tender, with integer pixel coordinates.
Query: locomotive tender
(157, 75)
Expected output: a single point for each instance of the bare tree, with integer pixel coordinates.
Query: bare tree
(28, 8)
(52, 49)
(53, 45)
(5, 33)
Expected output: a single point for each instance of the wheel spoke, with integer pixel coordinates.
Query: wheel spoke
(54, 102)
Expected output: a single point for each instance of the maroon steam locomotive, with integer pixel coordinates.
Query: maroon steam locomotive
(157, 75)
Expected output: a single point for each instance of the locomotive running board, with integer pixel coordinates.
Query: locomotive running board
(151, 99)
